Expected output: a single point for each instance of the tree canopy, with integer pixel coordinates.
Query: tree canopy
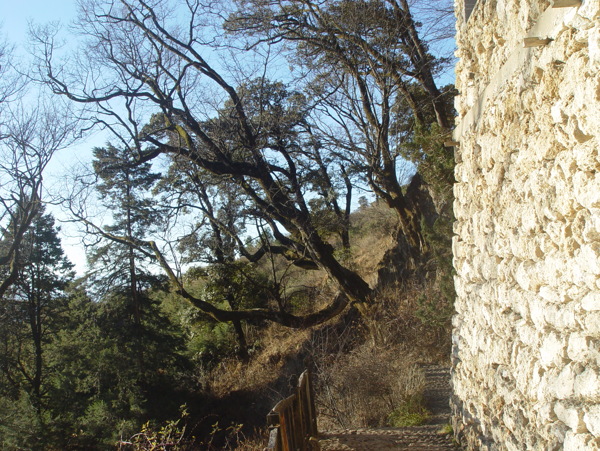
(162, 86)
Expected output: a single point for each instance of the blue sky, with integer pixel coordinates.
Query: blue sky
(15, 15)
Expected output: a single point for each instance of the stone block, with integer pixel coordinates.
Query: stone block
(576, 442)
(591, 301)
(572, 416)
(586, 226)
(586, 189)
(589, 257)
(561, 317)
(586, 157)
(564, 385)
(557, 431)
(594, 41)
(545, 414)
(577, 293)
(557, 112)
(553, 269)
(551, 295)
(552, 350)
(591, 321)
(581, 348)
(591, 419)
(587, 384)
(524, 277)
(527, 334)
(542, 382)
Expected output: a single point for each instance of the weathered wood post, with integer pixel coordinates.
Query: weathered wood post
(307, 402)
(293, 421)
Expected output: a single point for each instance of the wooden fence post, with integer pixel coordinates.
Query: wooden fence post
(293, 421)
(274, 433)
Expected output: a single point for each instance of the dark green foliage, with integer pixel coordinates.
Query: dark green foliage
(124, 188)
(435, 308)
(76, 374)
(423, 143)
(424, 146)
(31, 317)
(112, 388)
(122, 183)
(250, 288)
(239, 285)
(435, 162)
(21, 427)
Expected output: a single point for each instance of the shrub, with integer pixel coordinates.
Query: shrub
(360, 389)
(409, 412)
(169, 436)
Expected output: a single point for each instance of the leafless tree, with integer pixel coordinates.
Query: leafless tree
(372, 71)
(140, 60)
(30, 134)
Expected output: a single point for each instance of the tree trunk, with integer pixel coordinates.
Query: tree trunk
(242, 344)
(406, 256)
(34, 308)
(350, 283)
(239, 331)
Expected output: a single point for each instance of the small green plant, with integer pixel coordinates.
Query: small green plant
(409, 413)
(223, 437)
(447, 430)
(170, 436)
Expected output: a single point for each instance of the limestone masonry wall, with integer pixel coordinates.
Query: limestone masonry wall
(527, 236)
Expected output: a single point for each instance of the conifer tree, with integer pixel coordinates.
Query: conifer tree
(30, 319)
(123, 186)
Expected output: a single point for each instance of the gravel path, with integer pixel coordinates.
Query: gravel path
(427, 437)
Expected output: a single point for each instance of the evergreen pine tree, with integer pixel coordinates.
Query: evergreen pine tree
(30, 315)
(123, 187)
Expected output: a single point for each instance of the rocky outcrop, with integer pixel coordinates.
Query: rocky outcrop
(526, 341)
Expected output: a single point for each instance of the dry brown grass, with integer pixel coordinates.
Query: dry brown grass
(362, 389)
(368, 368)
(254, 442)
(394, 319)
(264, 368)
(373, 228)
(366, 365)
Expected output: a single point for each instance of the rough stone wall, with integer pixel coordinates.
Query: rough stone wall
(526, 342)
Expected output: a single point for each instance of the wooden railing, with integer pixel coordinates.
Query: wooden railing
(293, 421)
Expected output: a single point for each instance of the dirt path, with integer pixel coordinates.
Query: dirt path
(427, 437)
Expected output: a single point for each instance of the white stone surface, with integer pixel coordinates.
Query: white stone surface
(591, 301)
(564, 386)
(577, 442)
(527, 244)
(580, 348)
(571, 416)
(592, 420)
(552, 350)
(587, 384)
